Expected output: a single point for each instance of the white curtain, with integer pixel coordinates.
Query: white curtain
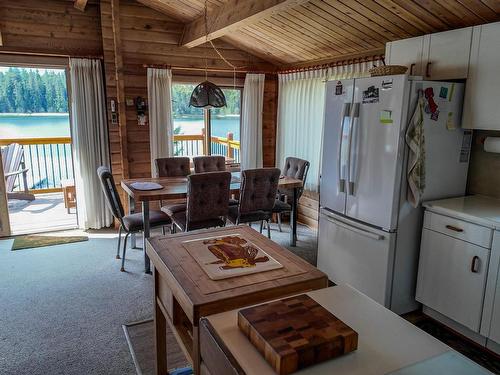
(90, 141)
(160, 115)
(301, 105)
(251, 125)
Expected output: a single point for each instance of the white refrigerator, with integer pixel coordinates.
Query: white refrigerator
(369, 234)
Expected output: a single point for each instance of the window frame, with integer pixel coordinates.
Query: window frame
(207, 116)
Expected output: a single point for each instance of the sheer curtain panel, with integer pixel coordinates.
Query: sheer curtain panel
(90, 141)
(301, 101)
(251, 125)
(160, 115)
(301, 105)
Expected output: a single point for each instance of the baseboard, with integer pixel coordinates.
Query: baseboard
(457, 327)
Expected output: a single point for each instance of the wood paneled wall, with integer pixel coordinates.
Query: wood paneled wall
(270, 112)
(133, 35)
(50, 27)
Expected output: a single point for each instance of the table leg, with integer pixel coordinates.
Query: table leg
(131, 210)
(293, 218)
(145, 235)
(196, 350)
(160, 338)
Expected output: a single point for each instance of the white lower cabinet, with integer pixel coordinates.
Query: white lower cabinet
(495, 320)
(452, 277)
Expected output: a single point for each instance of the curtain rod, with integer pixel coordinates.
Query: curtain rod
(333, 64)
(220, 70)
(36, 54)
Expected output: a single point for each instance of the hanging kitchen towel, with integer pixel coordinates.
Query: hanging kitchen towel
(415, 140)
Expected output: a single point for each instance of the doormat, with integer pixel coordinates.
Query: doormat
(32, 241)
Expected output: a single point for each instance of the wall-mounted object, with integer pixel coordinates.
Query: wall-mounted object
(492, 144)
(141, 106)
(129, 102)
(112, 104)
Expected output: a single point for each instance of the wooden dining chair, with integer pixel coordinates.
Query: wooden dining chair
(257, 196)
(208, 194)
(132, 223)
(176, 166)
(211, 163)
(295, 168)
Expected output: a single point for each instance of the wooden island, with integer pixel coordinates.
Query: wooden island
(183, 292)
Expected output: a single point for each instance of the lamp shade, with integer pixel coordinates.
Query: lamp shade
(207, 95)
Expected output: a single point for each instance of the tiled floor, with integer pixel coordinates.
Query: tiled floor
(45, 213)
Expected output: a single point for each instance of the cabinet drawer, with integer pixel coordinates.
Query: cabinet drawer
(460, 229)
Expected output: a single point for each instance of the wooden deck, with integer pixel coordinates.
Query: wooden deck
(45, 213)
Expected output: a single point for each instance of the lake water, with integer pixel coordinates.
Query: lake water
(36, 126)
(49, 164)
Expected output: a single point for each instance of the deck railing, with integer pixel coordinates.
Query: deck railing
(192, 145)
(49, 160)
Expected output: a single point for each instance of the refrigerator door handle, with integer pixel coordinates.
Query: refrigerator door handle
(340, 165)
(353, 157)
(354, 229)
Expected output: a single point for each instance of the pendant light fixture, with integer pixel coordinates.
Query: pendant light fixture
(207, 94)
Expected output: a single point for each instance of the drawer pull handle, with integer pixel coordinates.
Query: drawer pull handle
(474, 267)
(455, 229)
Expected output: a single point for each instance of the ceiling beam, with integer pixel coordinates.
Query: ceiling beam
(81, 4)
(231, 16)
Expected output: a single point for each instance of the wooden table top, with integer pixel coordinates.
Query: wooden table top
(176, 187)
(199, 295)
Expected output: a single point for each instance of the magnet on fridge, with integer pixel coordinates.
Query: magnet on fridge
(450, 125)
(443, 92)
(371, 95)
(386, 117)
(435, 115)
(338, 88)
(452, 90)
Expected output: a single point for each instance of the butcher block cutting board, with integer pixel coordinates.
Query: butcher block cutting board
(295, 333)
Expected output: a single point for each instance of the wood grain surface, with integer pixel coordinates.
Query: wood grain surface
(296, 332)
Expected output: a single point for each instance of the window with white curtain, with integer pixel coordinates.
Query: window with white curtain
(301, 102)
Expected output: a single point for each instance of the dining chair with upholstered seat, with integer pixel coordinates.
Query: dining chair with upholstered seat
(257, 195)
(212, 163)
(207, 197)
(295, 168)
(132, 223)
(176, 166)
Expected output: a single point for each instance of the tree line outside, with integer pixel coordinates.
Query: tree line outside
(33, 91)
(44, 91)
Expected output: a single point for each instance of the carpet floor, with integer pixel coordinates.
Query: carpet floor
(62, 307)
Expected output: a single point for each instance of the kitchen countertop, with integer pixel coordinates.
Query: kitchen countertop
(477, 209)
(387, 342)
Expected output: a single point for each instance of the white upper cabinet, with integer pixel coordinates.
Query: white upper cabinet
(482, 100)
(446, 54)
(436, 56)
(406, 52)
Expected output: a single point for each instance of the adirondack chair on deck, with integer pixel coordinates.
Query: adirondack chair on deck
(15, 170)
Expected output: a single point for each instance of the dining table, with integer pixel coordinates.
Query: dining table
(176, 188)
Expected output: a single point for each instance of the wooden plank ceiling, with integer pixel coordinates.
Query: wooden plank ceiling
(314, 31)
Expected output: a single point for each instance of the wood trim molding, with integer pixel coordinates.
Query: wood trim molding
(231, 16)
